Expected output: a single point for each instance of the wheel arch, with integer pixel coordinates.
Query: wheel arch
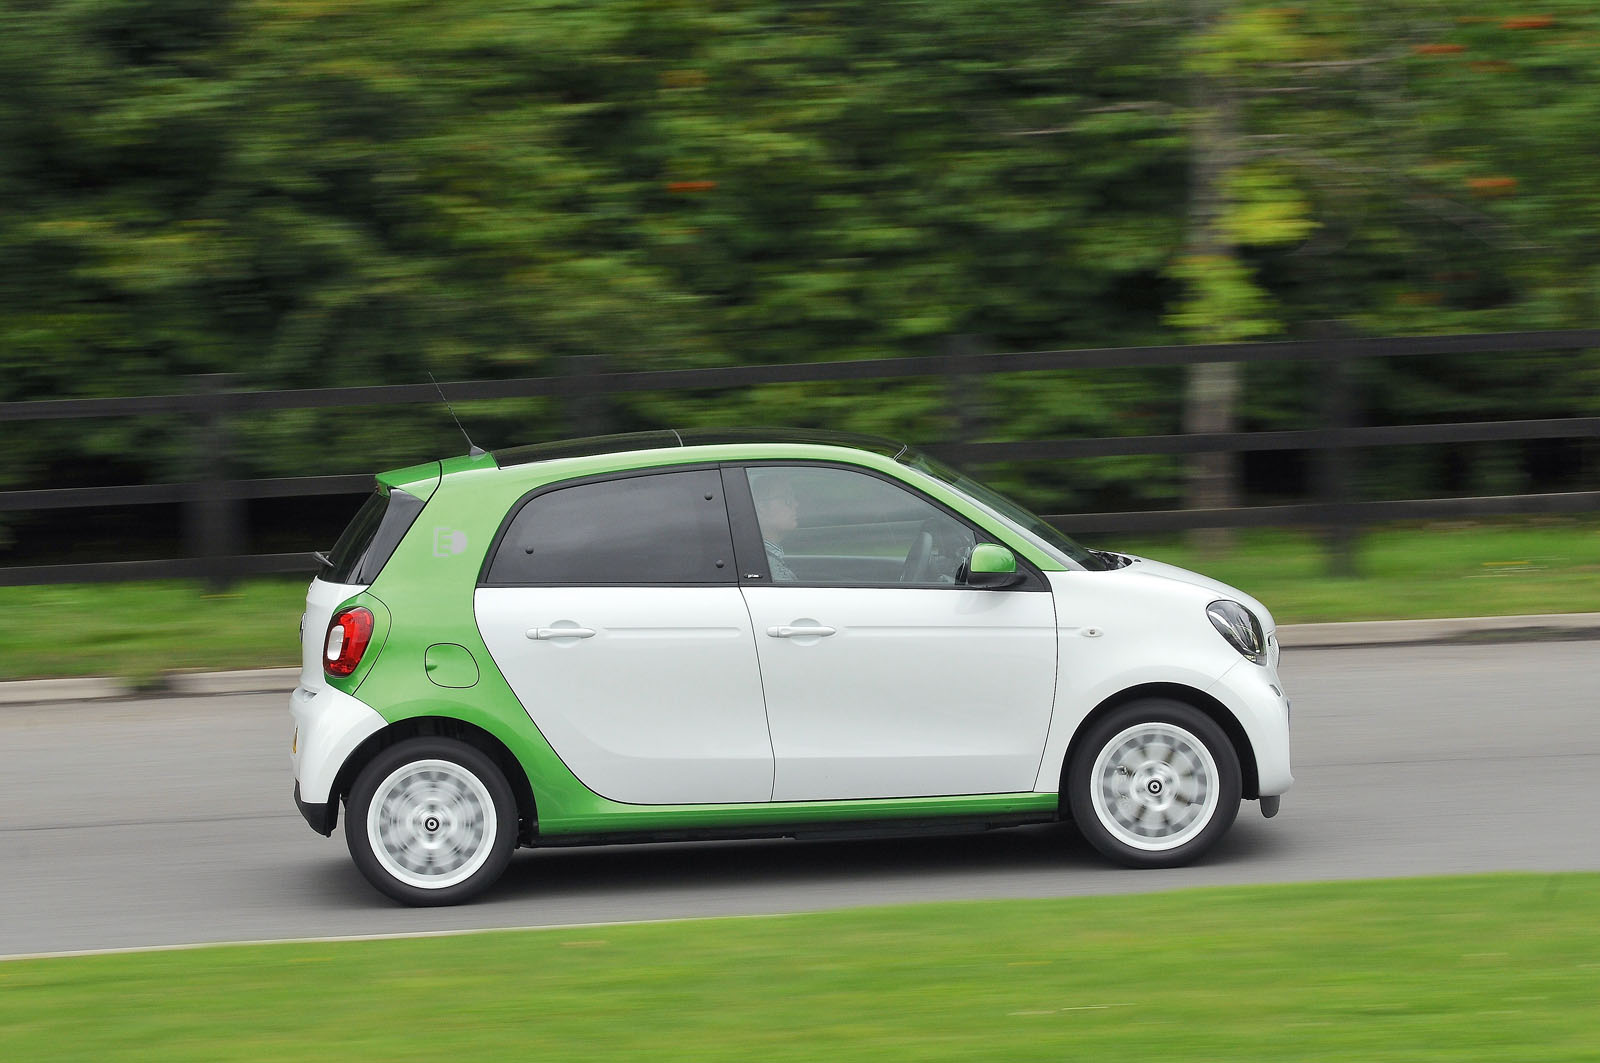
(1196, 699)
(445, 727)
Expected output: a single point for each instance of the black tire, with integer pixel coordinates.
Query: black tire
(1182, 784)
(443, 828)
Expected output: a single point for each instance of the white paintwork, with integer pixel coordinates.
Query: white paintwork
(321, 600)
(1150, 627)
(1247, 690)
(662, 705)
(918, 692)
(329, 725)
(1217, 589)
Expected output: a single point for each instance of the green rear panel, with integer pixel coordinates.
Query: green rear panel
(429, 585)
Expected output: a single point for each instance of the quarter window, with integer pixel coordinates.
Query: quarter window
(829, 525)
(661, 528)
(371, 537)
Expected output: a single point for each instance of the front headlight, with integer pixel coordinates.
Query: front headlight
(1241, 628)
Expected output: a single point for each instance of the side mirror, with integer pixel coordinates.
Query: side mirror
(991, 567)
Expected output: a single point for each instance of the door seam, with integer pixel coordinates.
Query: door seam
(761, 677)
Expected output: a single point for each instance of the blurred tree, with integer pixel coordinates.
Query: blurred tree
(1403, 168)
(310, 192)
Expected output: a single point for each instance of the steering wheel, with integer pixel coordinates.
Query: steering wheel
(915, 570)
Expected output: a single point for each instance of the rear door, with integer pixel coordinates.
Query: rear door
(612, 608)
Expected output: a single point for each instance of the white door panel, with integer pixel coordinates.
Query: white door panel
(653, 698)
(915, 693)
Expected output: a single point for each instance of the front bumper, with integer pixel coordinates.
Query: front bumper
(1255, 696)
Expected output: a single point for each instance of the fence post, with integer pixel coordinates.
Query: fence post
(1337, 413)
(213, 518)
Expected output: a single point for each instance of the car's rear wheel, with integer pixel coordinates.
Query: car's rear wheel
(431, 821)
(1155, 783)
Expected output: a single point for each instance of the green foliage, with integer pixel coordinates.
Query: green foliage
(1223, 304)
(305, 193)
(1264, 207)
(1244, 37)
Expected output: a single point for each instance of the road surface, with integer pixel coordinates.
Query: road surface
(170, 821)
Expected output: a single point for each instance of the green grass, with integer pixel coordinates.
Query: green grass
(1462, 568)
(1460, 969)
(1459, 569)
(141, 630)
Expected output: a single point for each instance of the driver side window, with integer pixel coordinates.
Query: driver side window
(830, 525)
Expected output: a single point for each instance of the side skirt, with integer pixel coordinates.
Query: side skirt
(815, 831)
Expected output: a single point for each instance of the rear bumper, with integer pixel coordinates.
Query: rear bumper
(322, 817)
(329, 725)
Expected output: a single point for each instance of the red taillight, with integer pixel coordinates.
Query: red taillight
(348, 635)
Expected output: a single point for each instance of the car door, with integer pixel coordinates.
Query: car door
(884, 675)
(612, 608)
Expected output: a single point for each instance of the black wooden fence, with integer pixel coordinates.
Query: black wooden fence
(214, 507)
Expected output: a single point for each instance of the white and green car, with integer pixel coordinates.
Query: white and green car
(758, 634)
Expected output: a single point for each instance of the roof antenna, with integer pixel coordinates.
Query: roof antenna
(473, 450)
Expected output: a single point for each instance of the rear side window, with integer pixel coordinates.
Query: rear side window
(661, 528)
(370, 539)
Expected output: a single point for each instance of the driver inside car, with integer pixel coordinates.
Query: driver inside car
(777, 511)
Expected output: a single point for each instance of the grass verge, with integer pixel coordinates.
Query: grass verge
(142, 630)
(1461, 969)
(1503, 568)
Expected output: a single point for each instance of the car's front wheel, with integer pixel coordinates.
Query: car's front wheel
(1155, 783)
(431, 821)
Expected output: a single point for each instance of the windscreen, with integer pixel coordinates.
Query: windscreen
(1012, 511)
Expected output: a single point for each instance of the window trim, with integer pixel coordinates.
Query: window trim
(745, 526)
(730, 580)
(747, 531)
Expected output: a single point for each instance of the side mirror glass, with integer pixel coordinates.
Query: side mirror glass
(992, 566)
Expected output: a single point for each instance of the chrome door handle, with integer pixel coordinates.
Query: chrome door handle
(546, 633)
(787, 632)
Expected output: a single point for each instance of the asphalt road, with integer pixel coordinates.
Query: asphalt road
(170, 821)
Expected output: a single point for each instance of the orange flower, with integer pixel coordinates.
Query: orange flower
(684, 79)
(682, 188)
(1438, 49)
(1492, 186)
(1528, 22)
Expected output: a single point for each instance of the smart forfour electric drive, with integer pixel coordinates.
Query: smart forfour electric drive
(757, 634)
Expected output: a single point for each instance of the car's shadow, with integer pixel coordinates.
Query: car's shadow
(1038, 860)
(703, 864)
(1035, 852)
